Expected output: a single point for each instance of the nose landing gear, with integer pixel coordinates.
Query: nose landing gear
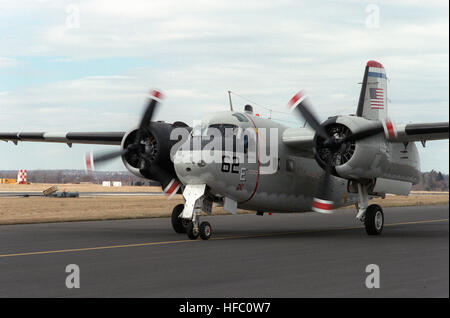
(186, 217)
(205, 230)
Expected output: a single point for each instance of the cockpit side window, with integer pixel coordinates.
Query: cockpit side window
(224, 129)
(227, 132)
(240, 117)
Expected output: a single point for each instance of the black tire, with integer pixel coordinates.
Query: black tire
(193, 235)
(205, 230)
(177, 223)
(374, 220)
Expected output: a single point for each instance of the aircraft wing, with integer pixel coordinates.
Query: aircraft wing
(96, 138)
(299, 138)
(416, 132)
(303, 138)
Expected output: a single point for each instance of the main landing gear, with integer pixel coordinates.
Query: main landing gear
(374, 219)
(372, 216)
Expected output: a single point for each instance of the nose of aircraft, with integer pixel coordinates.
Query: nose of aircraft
(190, 168)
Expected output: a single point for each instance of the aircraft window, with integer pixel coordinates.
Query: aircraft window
(290, 165)
(203, 135)
(224, 128)
(226, 131)
(240, 117)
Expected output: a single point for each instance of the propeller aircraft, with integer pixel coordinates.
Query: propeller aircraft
(241, 161)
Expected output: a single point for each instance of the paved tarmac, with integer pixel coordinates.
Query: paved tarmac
(290, 255)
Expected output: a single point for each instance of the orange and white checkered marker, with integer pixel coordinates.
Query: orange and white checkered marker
(22, 176)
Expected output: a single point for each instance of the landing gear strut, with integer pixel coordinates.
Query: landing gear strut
(371, 215)
(192, 231)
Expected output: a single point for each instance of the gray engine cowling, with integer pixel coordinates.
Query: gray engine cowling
(155, 145)
(370, 158)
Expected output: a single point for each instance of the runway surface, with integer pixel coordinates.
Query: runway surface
(295, 255)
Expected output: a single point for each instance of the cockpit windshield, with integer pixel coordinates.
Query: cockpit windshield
(219, 135)
(211, 130)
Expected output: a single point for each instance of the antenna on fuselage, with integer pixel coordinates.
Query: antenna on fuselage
(231, 103)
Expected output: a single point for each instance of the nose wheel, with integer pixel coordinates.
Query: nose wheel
(204, 231)
(191, 228)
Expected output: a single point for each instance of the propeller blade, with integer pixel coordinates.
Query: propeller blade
(301, 103)
(365, 133)
(321, 202)
(148, 114)
(91, 161)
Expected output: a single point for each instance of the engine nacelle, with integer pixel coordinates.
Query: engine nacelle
(155, 145)
(370, 158)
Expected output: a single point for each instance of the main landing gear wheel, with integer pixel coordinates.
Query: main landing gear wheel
(191, 231)
(374, 219)
(205, 230)
(177, 222)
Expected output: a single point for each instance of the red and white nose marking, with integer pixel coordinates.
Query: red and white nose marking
(322, 206)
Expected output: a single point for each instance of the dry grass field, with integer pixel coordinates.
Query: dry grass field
(14, 210)
(76, 188)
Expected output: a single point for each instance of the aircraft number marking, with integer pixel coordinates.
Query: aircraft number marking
(232, 167)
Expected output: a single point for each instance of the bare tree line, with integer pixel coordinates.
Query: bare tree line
(78, 176)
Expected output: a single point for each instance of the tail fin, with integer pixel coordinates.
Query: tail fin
(373, 99)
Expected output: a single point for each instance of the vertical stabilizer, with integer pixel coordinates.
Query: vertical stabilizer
(373, 98)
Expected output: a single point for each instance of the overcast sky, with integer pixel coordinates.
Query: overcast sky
(87, 65)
